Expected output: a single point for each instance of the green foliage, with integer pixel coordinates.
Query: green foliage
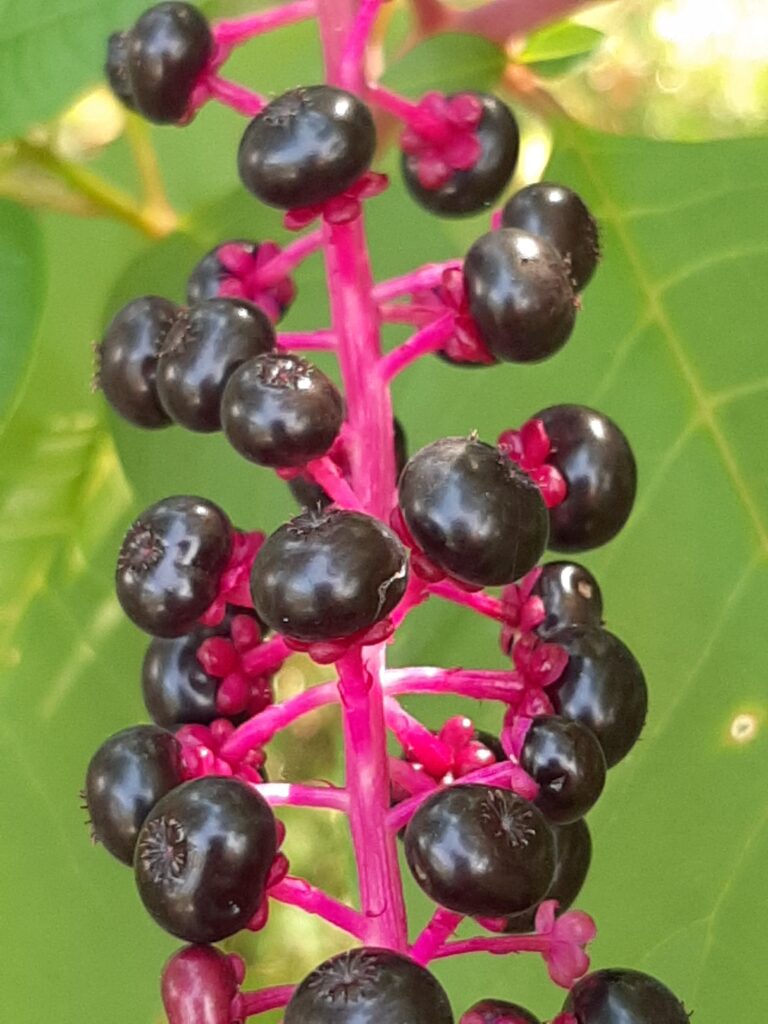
(446, 63)
(556, 49)
(670, 342)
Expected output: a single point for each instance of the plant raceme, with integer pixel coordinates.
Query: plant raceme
(492, 826)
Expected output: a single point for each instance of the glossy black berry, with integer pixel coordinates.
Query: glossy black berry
(599, 469)
(567, 761)
(209, 272)
(480, 850)
(573, 854)
(280, 410)
(623, 996)
(520, 296)
(497, 1011)
(559, 215)
(493, 743)
(168, 48)
(470, 191)
(306, 146)
(127, 360)
(126, 777)
(116, 69)
(198, 986)
(472, 511)
(369, 986)
(603, 687)
(170, 563)
(203, 856)
(203, 348)
(570, 594)
(326, 575)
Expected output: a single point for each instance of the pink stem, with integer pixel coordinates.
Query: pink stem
(405, 313)
(429, 339)
(381, 894)
(409, 778)
(289, 258)
(318, 341)
(291, 794)
(477, 684)
(243, 100)
(267, 657)
(418, 743)
(506, 774)
(403, 109)
(296, 892)
(425, 277)
(500, 945)
(443, 924)
(234, 31)
(352, 63)
(260, 729)
(476, 600)
(248, 1004)
(327, 474)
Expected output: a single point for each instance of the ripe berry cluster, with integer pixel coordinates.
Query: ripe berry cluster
(492, 826)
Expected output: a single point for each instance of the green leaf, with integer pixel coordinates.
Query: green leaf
(559, 48)
(447, 62)
(49, 51)
(22, 281)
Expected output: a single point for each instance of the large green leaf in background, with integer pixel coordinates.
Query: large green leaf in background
(670, 342)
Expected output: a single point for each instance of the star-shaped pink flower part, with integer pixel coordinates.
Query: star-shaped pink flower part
(530, 448)
(565, 956)
(441, 137)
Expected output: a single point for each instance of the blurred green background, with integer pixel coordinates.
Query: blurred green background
(666, 142)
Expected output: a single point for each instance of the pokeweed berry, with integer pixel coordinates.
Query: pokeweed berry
(170, 562)
(480, 850)
(559, 215)
(573, 855)
(203, 348)
(458, 159)
(595, 459)
(306, 146)
(328, 575)
(209, 273)
(202, 858)
(570, 594)
(158, 65)
(116, 69)
(126, 777)
(472, 511)
(497, 1011)
(520, 296)
(567, 761)
(127, 358)
(369, 986)
(603, 687)
(620, 994)
(280, 410)
(198, 986)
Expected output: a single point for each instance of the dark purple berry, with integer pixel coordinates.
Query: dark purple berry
(198, 986)
(497, 1011)
(470, 191)
(573, 854)
(127, 360)
(623, 996)
(599, 469)
(326, 575)
(570, 594)
(116, 69)
(126, 777)
(201, 351)
(520, 296)
(369, 986)
(203, 856)
(472, 511)
(281, 410)
(480, 850)
(567, 761)
(305, 147)
(603, 687)
(168, 48)
(170, 563)
(209, 272)
(493, 743)
(559, 215)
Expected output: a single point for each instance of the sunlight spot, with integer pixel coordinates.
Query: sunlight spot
(743, 728)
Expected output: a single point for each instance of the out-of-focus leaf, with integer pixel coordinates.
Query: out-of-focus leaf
(555, 49)
(448, 62)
